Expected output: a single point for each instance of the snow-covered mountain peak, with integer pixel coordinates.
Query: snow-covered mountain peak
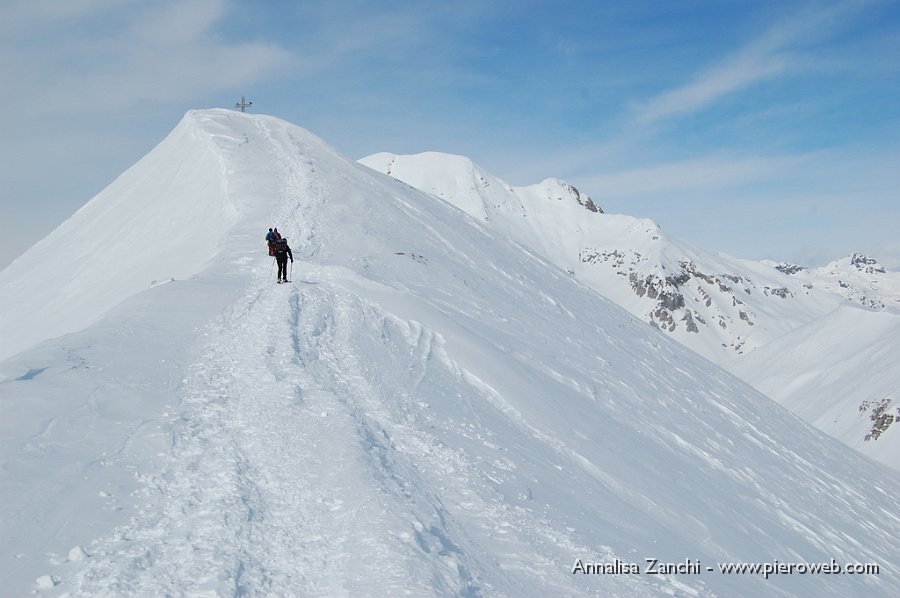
(715, 304)
(426, 409)
(165, 218)
(558, 190)
(461, 181)
(720, 306)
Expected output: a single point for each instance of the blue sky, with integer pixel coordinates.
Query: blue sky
(767, 130)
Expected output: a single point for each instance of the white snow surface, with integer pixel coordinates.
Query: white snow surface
(163, 219)
(427, 409)
(764, 321)
(834, 380)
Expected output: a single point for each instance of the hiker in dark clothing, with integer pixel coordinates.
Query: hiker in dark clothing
(282, 253)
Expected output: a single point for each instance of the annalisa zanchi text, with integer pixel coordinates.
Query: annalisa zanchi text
(652, 566)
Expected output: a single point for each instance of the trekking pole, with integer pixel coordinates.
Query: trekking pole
(291, 270)
(273, 265)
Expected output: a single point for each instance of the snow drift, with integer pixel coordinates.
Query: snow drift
(428, 409)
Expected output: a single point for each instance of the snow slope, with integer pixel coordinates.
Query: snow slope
(839, 381)
(756, 319)
(163, 219)
(840, 371)
(426, 410)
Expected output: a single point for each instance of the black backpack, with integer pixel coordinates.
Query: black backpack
(281, 246)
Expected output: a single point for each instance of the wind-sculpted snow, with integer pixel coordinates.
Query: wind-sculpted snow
(427, 409)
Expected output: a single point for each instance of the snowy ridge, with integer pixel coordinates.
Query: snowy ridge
(719, 306)
(163, 219)
(516, 211)
(426, 409)
(724, 308)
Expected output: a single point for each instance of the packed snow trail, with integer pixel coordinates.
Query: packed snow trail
(285, 476)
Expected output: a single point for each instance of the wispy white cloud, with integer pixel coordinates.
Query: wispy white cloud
(99, 55)
(695, 175)
(777, 52)
(838, 175)
(710, 86)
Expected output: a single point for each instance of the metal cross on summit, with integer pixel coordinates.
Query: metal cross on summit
(243, 104)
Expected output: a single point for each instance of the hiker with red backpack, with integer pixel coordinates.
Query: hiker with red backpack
(271, 237)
